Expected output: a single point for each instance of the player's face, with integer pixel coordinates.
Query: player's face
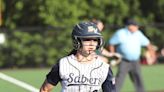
(89, 45)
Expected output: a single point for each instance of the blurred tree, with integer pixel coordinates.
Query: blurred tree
(51, 23)
(63, 14)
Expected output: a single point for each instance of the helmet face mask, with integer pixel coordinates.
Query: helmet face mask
(86, 30)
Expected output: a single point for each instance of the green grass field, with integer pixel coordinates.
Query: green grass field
(153, 79)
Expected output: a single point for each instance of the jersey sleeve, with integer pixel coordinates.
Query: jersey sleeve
(109, 83)
(53, 76)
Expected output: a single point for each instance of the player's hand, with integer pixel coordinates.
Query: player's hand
(116, 59)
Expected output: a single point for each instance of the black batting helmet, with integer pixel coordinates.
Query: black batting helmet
(86, 30)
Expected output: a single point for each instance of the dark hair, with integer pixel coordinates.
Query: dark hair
(73, 51)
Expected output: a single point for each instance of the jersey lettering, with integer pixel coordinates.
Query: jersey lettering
(82, 80)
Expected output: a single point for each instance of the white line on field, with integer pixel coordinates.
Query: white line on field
(19, 83)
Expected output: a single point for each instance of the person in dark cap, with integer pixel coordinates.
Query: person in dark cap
(128, 42)
(130, 21)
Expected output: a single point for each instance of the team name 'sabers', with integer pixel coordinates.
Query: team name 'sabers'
(82, 80)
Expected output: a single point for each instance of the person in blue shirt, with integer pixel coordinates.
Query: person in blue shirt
(128, 42)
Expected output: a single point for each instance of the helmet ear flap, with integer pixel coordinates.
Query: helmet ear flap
(100, 43)
(76, 42)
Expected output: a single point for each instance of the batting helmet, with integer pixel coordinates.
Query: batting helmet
(86, 30)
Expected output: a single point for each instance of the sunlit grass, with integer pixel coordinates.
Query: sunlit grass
(153, 79)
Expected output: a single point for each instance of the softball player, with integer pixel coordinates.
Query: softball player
(82, 70)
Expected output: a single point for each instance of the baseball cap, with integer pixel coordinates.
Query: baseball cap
(131, 22)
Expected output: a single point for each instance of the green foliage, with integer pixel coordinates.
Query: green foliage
(62, 14)
(43, 47)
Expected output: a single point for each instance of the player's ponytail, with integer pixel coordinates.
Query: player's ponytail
(73, 52)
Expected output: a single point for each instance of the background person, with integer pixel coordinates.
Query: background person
(104, 53)
(128, 42)
(149, 59)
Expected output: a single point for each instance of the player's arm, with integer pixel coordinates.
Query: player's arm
(46, 87)
(111, 48)
(109, 83)
(106, 53)
(111, 54)
(51, 80)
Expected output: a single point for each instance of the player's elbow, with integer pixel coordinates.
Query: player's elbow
(46, 87)
(42, 90)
